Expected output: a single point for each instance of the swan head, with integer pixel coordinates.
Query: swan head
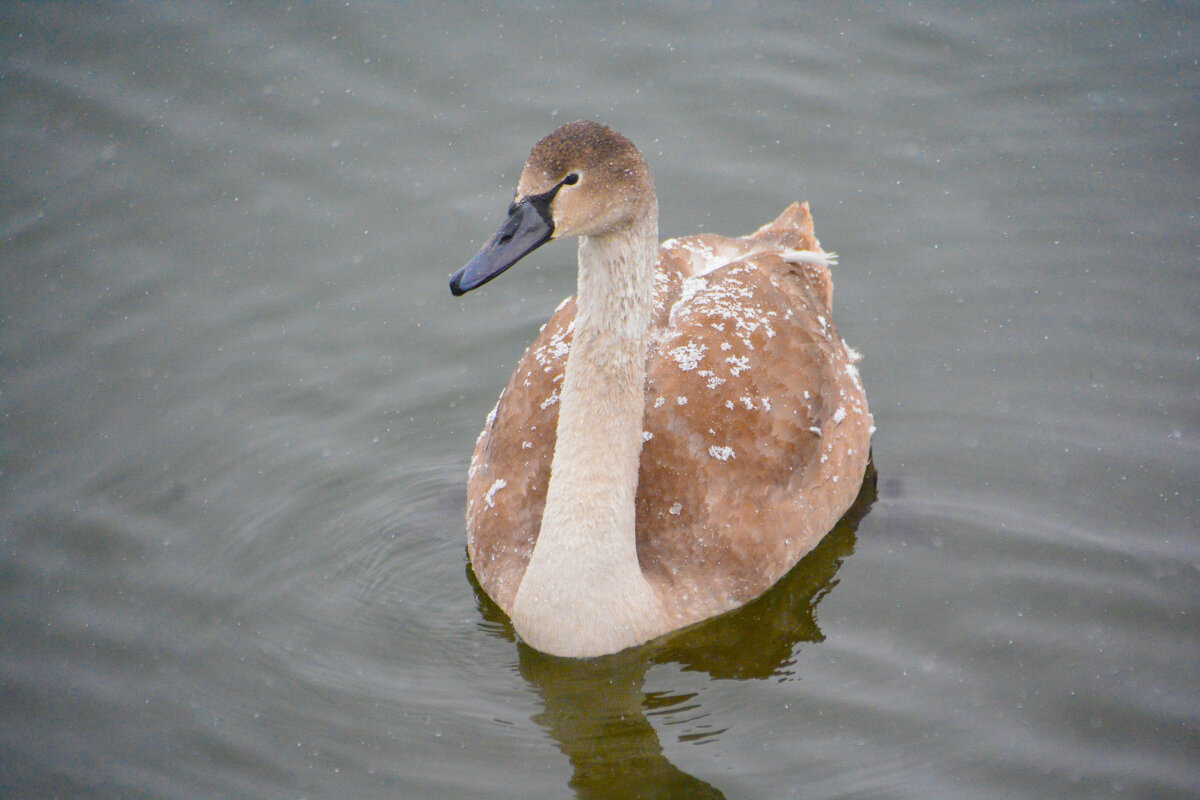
(584, 179)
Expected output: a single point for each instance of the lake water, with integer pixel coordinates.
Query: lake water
(237, 399)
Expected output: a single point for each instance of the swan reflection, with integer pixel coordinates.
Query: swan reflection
(599, 713)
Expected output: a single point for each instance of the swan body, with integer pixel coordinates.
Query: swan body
(680, 433)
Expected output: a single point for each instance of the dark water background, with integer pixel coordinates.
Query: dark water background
(237, 400)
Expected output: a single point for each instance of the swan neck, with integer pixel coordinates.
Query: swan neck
(616, 281)
(584, 592)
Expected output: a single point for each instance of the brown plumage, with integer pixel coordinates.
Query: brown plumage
(755, 428)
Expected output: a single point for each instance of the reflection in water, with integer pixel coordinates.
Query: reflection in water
(596, 708)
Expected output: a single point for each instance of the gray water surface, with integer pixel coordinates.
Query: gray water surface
(237, 399)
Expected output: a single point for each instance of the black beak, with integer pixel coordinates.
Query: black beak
(528, 227)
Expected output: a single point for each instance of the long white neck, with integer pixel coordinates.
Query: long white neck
(584, 592)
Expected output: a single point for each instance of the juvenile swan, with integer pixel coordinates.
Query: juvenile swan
(680, 433)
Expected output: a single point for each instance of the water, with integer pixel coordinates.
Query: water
(238, 400)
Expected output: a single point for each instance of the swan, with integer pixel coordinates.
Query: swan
(680, 433)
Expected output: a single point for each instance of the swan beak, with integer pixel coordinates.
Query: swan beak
(527, 228)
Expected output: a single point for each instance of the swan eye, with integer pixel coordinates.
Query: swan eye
(571, 179)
